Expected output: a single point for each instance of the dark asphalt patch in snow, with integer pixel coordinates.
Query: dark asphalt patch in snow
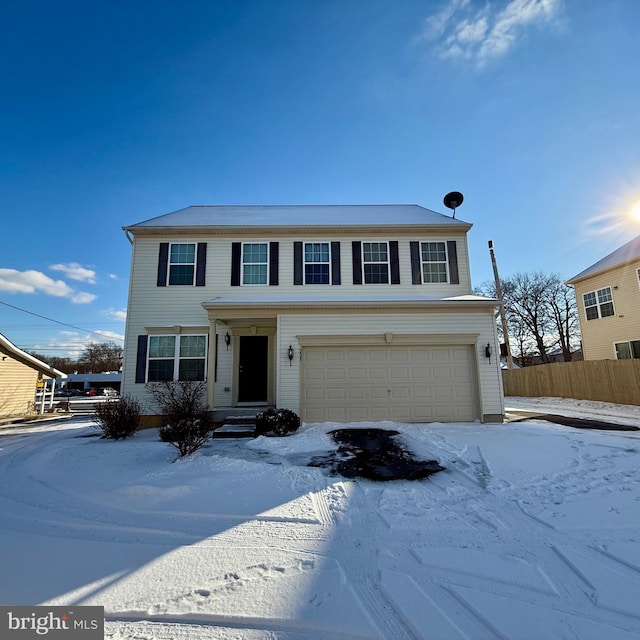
(579, 423)
(374, 454)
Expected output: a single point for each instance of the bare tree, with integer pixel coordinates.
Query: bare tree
(100, 356)
(541, 315)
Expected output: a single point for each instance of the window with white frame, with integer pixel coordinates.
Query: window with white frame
(255, 263)
(433, 261)
(598, 304)
(182, 261)
(180, 357)
(317, 263)
(375, 262)
(627, 349)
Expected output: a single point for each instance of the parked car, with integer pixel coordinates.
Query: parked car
(109, 392)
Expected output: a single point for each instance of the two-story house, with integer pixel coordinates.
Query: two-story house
(608, 299)
(340, 313)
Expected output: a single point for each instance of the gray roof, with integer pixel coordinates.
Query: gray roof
(317, 215)
(626, 253)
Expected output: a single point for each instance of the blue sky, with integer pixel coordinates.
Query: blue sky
(115, 112)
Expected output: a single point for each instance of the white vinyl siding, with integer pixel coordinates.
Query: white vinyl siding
(152, 306)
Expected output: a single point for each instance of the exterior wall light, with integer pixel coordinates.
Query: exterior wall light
(227, 340)
(487, 351)
(290, 354)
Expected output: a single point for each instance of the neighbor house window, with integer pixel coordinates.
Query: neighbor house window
(182, 263)
(181, 357)
(433, 260)
(627, 350)
(638, 272)
(375, 262)
(598, 304)
(317, 263)
(255, 263)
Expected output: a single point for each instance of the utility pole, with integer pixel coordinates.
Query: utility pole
(503, 317)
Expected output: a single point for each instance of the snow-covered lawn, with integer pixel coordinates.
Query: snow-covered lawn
(532, 532)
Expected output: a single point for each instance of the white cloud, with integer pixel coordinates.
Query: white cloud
(72, 344)
(461, 30)
(113, 276)
(116, 314)
(82, 297)
(75, 271)
(37, 282)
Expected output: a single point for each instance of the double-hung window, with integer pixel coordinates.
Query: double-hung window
(375, 262)
(177, 357)
(433, 261)
(182, 263)
(598, 304)
(628, 349)
(255, 263)
(317, 263)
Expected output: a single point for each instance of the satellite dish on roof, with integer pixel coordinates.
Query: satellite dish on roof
(453, 200)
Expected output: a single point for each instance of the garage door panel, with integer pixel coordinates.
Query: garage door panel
(410, 384)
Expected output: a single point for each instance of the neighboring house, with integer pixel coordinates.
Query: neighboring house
(340, 313)
(21, 375)
(608, 299)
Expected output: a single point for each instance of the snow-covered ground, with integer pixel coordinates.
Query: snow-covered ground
(532, 532)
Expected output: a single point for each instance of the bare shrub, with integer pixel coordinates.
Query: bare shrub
(189, 423)
(118, 418)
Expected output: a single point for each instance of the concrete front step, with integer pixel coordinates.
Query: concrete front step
(235, 430)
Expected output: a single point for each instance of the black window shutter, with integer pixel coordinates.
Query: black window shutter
(141, 359)
(452, 254)
(395, 262)
(273, 263)
(416, 276)
(201, 264)
(297, 263)
(236, 251)
(356, 250)
(163, 263)
(335, 263)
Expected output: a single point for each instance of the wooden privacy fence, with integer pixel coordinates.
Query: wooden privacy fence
(606, 380)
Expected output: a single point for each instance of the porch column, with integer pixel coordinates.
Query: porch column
(211, 365)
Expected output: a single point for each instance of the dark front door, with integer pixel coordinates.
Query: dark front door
(252, 376)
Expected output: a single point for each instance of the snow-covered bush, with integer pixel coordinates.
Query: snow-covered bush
(118, 418)
(278, 422)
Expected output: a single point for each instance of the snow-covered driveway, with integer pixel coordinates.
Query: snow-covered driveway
(532, 532)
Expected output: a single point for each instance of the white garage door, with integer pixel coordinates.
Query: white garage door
(408, 383)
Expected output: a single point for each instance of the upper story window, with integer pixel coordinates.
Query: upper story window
(598, 304)
(375, 262)
(433, 262)
(638, 277)
(255, 263)
(179, 357)
(182, 263)
(628, 349)
(317, 263)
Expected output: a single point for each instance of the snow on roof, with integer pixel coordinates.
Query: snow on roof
(300, 215)
(627, 252)
(6, 346)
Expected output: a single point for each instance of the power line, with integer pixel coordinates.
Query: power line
(64, 324)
